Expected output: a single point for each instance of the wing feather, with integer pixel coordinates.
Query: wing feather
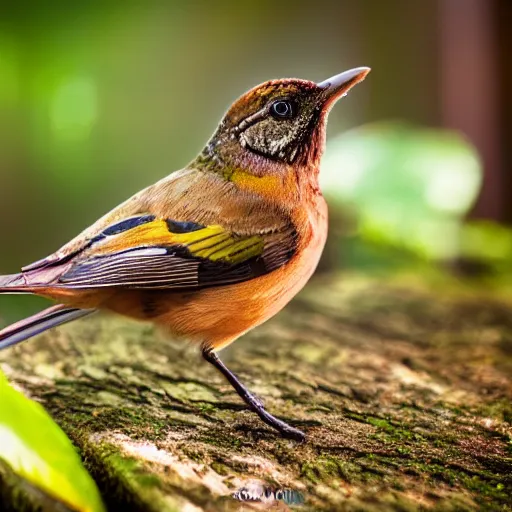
(167, 254)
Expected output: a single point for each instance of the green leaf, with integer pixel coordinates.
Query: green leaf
(36, 449)
(411, 186)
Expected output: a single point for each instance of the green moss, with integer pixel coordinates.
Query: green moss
(325, 469)
(220, 468)
(500, 409)
(379, 422)
(225, 442)
(194, 454)
(485, 488)
(206, 408)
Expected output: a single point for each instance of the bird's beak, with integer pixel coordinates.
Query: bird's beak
(337, 86)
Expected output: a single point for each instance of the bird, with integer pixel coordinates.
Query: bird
(215, 249)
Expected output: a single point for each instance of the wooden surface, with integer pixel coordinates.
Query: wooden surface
(404, 392)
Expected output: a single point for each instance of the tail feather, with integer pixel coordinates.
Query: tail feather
(12, 283)
(40, 322)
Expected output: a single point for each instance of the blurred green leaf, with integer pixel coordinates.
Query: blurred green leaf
(411, 186)
(36, 449)
(486, 240)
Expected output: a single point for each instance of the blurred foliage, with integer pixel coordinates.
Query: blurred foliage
(36, 449)
(411, 187)
(485, 240)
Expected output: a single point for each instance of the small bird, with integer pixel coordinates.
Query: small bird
(212, 250)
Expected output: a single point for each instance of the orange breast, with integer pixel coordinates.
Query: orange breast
(218, 316)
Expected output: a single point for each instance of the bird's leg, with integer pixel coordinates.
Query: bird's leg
(285, 429)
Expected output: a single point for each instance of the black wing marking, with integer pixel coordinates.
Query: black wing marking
(147, 268)
(190, 256)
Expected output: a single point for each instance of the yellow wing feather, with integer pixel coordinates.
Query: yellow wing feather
(211, 242)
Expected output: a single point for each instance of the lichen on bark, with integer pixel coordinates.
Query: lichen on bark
(404, 392)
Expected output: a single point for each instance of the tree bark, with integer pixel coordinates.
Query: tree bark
(404, 392)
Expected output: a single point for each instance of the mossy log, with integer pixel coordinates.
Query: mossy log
(404, 392)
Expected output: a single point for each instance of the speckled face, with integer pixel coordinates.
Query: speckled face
(280, 122)
(278, 118)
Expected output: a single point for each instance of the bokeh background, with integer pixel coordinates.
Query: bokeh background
(99, 99)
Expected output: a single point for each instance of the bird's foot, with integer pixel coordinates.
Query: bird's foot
(256, 400)
(255, 403)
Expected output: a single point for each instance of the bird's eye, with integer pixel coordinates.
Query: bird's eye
(282, 109)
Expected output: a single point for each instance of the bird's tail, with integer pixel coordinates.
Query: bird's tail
(36, 324)
(13, 283)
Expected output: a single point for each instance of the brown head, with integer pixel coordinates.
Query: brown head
(279, 124)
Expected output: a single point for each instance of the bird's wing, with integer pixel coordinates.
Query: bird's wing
(150, 253)
(192, 229)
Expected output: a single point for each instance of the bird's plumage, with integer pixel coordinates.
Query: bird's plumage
(181, 246)
(40, 322)
(215, 249)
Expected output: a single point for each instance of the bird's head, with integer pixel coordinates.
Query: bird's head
(280, 123)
